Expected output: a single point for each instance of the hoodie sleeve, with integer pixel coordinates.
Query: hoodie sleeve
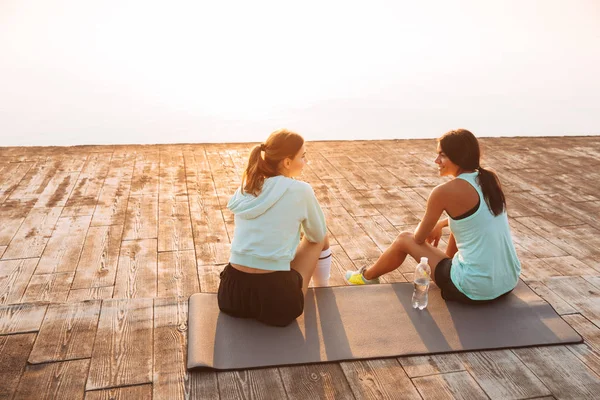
(313, 225)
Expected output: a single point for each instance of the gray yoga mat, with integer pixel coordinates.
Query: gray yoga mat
(376, 321)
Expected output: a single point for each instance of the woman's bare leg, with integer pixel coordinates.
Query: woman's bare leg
(395, 255)
(451, 249)
(305, 260)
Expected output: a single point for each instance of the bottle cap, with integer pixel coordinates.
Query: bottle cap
(424, 260)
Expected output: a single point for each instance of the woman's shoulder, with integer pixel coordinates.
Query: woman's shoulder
(448, 190)
(301, 186)
(443, 188)
(454, 185)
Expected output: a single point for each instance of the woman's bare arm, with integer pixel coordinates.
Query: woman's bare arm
(435, 208)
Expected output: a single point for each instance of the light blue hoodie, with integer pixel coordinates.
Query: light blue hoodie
(267, 227)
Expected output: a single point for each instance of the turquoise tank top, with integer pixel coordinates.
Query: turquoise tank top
(486, 264)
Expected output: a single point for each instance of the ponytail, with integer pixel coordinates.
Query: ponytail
(492, 191)
(280, 145)
(257, 170)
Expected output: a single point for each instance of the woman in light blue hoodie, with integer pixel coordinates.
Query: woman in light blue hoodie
(270, 267)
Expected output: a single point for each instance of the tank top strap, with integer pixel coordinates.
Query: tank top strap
(471, 177)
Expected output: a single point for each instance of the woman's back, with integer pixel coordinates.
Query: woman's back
(486, 264)
(267, 226)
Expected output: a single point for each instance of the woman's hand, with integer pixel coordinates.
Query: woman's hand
(435, 235)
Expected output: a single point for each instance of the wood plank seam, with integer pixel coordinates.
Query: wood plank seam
(217, 192)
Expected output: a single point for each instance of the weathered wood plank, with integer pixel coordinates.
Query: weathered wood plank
(172, 182)
(145, 179)
(538, 245)
(60, 380)
(112, 205)
(453, 385)
(33, 235)
(31, 184)
(57, 191)
(48, 287)
(171, 380)
(546, 208)
(14, 277)
(137, 271)
(203, 385)
(67, 332)
(222, 168)
(123, 350)
(210, 236)
(379, 229)
(583, 326)
(208, 276)
(351, 171)
(430, 365)
(14, 350)
(64, 246)
(502, 375)
(21, 318)
(141, 221)
(561, 371)
(594, 280)
(174, 226)
(92, 293)
(561, 238)
(11, 177)
(353, 201)
(350, 235)
(379, 379)
(99, 257)
(199, 180)
(73, 162)
(321, 166)
(12, 215)
(84, 196)
(120, 169)
(324, 381)
(569, 266)
(576, 209)
(588, 355)
(147, 154)
(325, 197)
(177, 274)
(536, 269)
(251, 384)
(560, 306)
(139, 392)
(579, 293)
(392, 206)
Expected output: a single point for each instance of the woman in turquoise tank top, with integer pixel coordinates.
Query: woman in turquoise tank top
(480, 262)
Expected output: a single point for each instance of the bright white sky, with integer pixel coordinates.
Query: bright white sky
(135, 71)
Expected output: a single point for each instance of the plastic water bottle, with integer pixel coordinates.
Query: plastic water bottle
(421, 282)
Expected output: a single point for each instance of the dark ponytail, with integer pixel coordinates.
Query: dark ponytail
(492, 191)
(462, 148)
(280, 145)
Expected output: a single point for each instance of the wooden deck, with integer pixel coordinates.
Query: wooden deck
(100, 247)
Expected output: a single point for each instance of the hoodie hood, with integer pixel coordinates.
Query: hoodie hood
(247, 206)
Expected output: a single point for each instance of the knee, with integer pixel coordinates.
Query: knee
(403, 238)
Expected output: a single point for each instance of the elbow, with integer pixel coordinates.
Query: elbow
(419, 239)
(316, 238)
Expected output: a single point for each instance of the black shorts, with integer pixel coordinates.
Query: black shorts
(449, 291)
(274, 298)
